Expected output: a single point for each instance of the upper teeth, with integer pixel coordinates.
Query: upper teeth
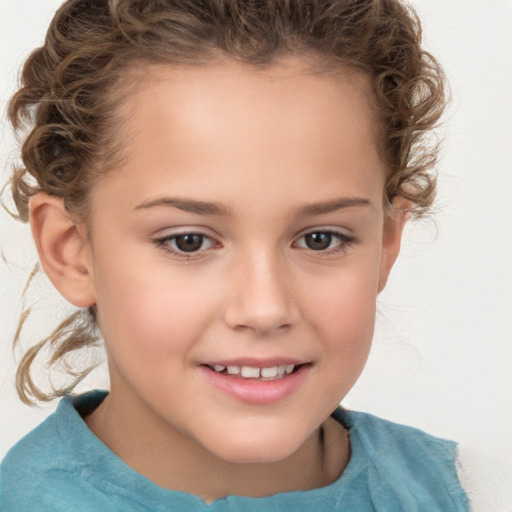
(254, 372)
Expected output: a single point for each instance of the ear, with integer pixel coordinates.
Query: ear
(63, 248)
(392, 237)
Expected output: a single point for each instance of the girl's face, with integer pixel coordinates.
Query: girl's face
(236, 258)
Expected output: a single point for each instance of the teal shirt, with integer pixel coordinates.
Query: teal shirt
(63, 466)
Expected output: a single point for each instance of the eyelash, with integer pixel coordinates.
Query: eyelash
(164, 244)
(344, 242)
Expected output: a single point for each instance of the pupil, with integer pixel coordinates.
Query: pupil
(318, 241)
(189, 243)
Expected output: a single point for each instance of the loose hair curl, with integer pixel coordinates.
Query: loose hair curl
(71, 88)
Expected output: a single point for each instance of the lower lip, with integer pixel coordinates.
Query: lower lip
(257, 392)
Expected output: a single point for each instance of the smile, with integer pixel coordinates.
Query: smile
(256, 382)
(268, 373)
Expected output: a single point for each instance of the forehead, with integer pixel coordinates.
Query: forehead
(229, 123)
(302, 96)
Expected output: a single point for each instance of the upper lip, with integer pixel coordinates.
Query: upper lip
(256, 362)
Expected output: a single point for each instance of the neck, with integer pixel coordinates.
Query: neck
(171, 460)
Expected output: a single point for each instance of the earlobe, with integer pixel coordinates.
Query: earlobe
(392, 237)
(63, 249)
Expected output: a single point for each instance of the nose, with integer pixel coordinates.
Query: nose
(261, 298)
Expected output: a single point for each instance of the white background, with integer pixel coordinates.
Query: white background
(442, 358)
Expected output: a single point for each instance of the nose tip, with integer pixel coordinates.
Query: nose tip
(262, 302)
(262, 321)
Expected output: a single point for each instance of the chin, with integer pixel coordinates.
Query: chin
(255, 448)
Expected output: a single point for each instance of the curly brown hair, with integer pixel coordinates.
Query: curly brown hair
(71, 89)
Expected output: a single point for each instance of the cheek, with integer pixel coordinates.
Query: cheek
(344, 303)
(343, 315)
(150, 315)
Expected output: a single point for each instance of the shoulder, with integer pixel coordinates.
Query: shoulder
(31, 465)
(486, 477)
(403, 465)
(386, 437)
(33, 450)
(42, 471)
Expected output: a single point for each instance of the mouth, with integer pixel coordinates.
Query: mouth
(259, 373)
(257, 382)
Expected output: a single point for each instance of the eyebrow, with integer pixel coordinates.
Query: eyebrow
(212, 208)
(187, 205)
(333, 206)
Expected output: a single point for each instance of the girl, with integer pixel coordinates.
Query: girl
(220, 187)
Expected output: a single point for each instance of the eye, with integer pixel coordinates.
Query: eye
(185, 243)
(324, 241)
(190, 242)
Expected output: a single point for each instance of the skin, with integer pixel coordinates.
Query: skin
(263, 145)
